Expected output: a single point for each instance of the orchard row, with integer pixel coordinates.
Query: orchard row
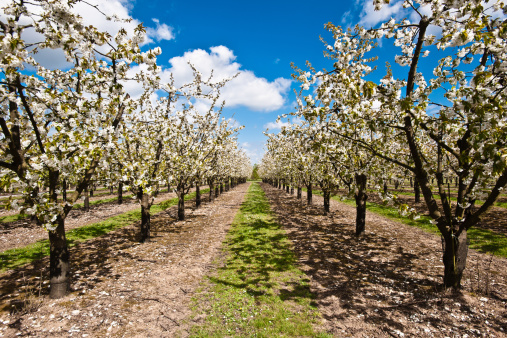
(107, 119)
(433, 121)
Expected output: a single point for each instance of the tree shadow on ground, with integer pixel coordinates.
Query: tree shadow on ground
(374, 278)
(91, 262)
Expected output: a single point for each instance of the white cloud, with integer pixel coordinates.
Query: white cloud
(246, 89)
(161, 32)
(369, 17)
(277, 125)
(55, 59)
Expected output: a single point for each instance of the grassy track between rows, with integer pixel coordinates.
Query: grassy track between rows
(259, 291)
(482, 240)
(13, 258)
(17, 217)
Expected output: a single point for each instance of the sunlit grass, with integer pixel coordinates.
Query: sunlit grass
(13, 258)
(259, 291)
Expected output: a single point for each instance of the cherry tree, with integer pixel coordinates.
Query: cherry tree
(461, 133)
(57, 124)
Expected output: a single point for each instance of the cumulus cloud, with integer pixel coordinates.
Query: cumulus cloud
(160, 32)
(277, 125)
(369, 17)
(245, 89)
(55, 59)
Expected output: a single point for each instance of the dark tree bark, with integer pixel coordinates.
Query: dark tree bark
(181, 202)
(327, 197)
(309, 194)
(59, 261)
(111, 189)
(211, 188)
(197, 195)
(360, 197)
(299, 194)
(91, 192)
(287, 188)
(385, 187)
(217, 191)
(146, 202)
(86, 199)
(59, 258)
(417, 192)
(292, 190)
(64, 190)
(455, 251)
(120, 192)
(221, 188)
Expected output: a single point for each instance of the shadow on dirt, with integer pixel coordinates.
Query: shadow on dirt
(374, 279)
(91, 262)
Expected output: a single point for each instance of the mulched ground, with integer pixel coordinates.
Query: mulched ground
(20, 233)
(122, 288)
(388, 282)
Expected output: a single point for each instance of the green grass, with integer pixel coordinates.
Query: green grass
(482, 240)
(437, 197)
(17, 217)
(13, 258)
(259, 292)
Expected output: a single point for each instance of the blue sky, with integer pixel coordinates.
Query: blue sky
(257, 39)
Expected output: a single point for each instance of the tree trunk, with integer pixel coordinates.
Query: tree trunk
(181, 202)
(86, 199)
(120, 192)
(309, 195)
(327, 197)
(292, 190)
(287, 188)
(217, 191)
(455, 251)
(361, 198)
(64, 190)
(221, 188)
(385, 187)
(299, 194)
(197, 195)
(211, 188)
(417, 192)
(111, 189)
(145, 217)
(59, 261)
(91, 192)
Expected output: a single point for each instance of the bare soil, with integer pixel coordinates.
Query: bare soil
(20, 233)
(388, 282)
(122, 288)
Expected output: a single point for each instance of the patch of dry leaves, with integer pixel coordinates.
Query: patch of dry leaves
(122, 288)
(388, 282)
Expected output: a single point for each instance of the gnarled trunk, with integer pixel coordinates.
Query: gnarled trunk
(86, 199)
(417, 192)
(59, 261)
(120, 192)
(181, 202)
(327, 197)
(360, 198)
(145, 217)
(455, 251)
(197, 195)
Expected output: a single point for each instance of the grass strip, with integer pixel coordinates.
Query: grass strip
(259, 292)
(437, 197)
(13, 258)
(17, 217)
(482, 240)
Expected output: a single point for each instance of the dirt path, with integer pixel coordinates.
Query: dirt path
(388, 283)
(20, 233)
(122, 288)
